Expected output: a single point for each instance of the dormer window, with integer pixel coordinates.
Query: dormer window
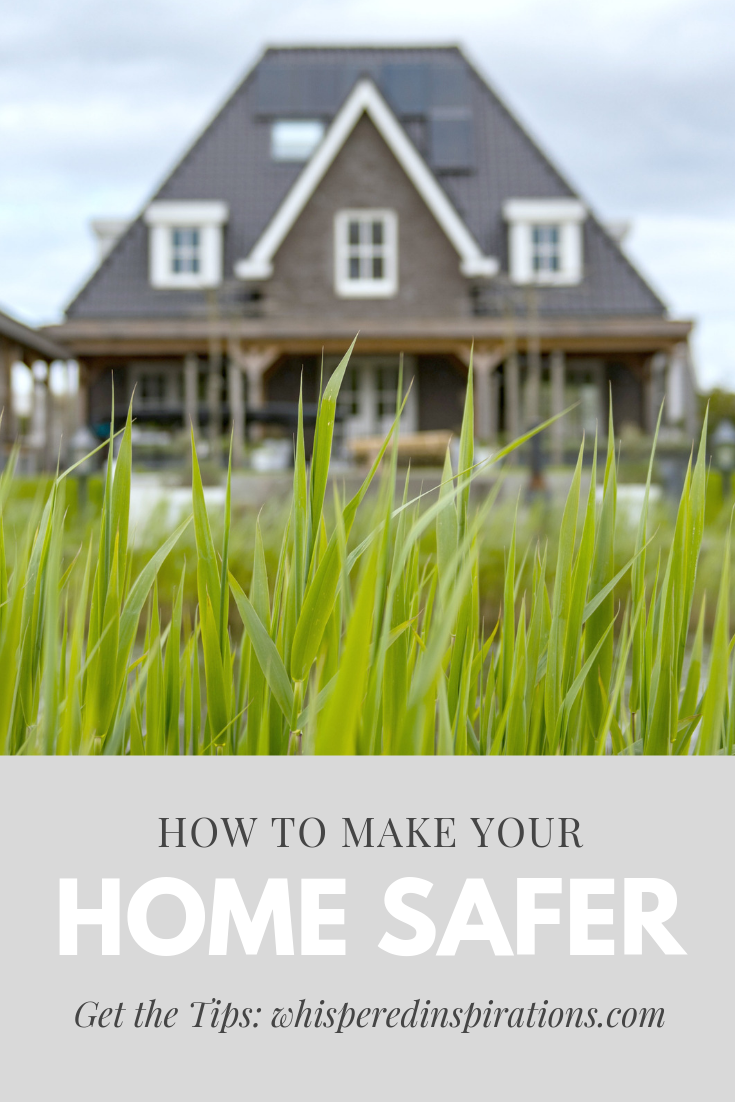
(186, 243)
(545, 240)
(365, 253)
(295, 139)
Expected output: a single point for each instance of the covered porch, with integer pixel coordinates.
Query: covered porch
(243, 376)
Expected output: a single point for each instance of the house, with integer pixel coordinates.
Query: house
(387, 191)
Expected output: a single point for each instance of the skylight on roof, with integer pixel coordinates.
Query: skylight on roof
(295, 139)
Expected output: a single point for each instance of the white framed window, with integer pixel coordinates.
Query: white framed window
(185, 243)
(365, 253)
(545, 240)
(295, 139)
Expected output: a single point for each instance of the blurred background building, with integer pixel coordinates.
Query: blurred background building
(390, 191)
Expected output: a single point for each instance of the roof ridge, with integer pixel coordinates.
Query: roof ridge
(355, 47)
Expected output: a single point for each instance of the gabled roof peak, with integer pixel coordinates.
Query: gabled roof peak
(365, 99)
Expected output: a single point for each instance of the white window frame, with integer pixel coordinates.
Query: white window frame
(523, 216)
(345, 287)
(162, 219)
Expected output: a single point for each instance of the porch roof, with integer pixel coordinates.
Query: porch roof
(42, 344)
(88, 337)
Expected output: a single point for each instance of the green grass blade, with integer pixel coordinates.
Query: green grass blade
(265, 651)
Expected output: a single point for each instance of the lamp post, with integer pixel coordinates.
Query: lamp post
(723, 454)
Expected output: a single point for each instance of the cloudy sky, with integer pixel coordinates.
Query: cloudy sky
(633, 99)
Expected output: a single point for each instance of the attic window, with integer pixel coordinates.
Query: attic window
(295, 139)
(365, 253)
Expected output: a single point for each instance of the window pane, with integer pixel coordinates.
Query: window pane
(349, 393)
(354, 267)
(295, 139)
(546, 248)
(354, 233)
(152, 388)
(377, 233)
(377, 267)
(185, 249)
(386, 379)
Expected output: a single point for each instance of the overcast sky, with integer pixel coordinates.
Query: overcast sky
(633, 99)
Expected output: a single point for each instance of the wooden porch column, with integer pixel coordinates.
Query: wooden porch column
(191, 393)
(82, 402)
(9, 354)
(691, 408)
(681, 398)
(512, 396)
(650, 412)
(214, 395)
(256, 390)
(494, 419)
(39, 428)
(557, 405)
(254, 361)
(484, 364)
(5, 392)
(237, 411)
(533, 381)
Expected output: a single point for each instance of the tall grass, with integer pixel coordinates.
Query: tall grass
(364, 647)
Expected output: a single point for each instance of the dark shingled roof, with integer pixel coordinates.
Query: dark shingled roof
(479, 153)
